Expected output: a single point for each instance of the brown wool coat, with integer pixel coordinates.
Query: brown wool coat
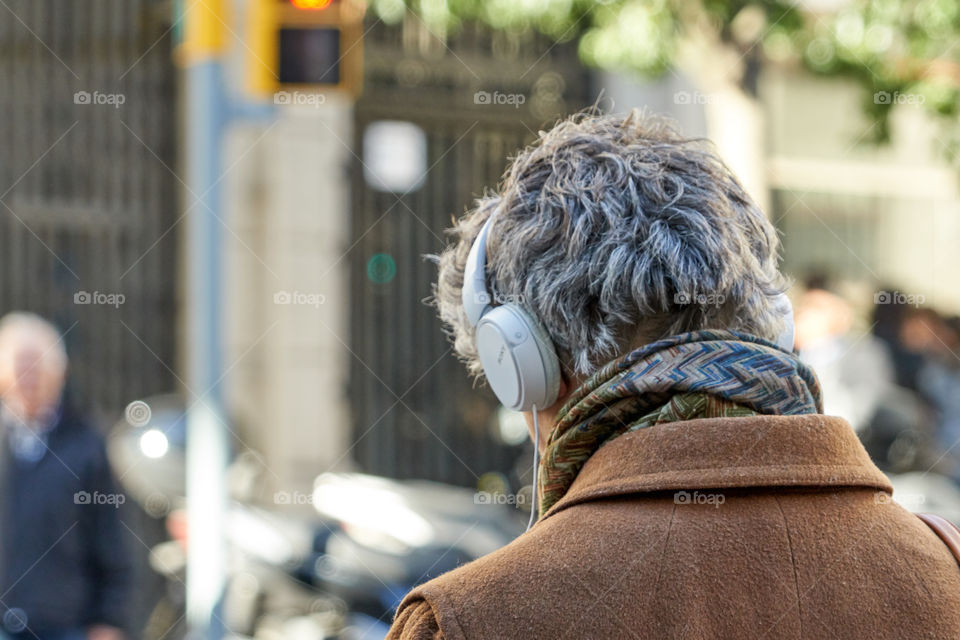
(791, 534)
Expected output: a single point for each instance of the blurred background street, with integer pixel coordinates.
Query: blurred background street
(225, 208)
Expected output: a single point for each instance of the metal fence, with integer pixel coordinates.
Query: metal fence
(89, 202)
(416, 413)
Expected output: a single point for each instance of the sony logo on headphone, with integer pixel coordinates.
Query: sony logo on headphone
(503, 351)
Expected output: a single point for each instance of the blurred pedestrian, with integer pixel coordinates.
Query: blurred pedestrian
(934, 341)
(621, 289)
(854, 368)
(890, 314)
(65, 572)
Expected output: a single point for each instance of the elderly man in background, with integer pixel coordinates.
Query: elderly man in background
(690, 485)
(65, 574)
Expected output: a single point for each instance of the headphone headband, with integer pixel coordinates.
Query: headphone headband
(474, 295)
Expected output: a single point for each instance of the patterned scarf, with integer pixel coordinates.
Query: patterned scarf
(704, 374)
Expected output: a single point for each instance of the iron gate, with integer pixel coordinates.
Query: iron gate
(87, 221)
(416, 413)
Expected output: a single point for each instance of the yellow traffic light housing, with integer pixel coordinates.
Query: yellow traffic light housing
(305, 45)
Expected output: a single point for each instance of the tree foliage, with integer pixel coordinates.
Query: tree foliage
(898, 51)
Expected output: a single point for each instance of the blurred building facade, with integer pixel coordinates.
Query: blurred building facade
(888, 214)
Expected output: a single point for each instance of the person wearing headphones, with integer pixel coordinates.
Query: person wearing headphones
(689, 484)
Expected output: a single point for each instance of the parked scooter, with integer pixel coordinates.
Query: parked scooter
(334, 573)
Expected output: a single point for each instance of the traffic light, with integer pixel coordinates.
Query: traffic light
(311, 4)
(305, 45)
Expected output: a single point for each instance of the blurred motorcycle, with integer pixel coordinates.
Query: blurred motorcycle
(385, 536)
(336, 572)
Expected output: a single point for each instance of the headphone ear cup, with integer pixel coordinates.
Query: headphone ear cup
(548, 354)
(518, 358)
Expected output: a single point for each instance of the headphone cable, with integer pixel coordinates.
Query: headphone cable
(536, 467)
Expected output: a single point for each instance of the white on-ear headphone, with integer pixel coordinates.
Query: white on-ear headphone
(518, 357)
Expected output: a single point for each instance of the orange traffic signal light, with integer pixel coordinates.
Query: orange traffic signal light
(315, 5)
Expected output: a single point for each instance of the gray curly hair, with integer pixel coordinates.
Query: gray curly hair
(616, 231)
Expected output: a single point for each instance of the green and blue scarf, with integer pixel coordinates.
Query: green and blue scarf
(703, 374)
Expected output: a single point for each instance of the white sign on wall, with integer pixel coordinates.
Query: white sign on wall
(394, 156)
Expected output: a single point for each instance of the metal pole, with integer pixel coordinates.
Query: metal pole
(207, 434)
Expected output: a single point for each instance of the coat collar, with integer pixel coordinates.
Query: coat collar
(811, 450)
